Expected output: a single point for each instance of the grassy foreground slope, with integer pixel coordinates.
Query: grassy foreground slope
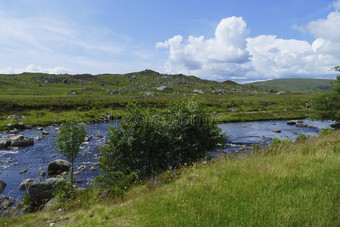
(294, 184)
(294, 85)
(46, 99)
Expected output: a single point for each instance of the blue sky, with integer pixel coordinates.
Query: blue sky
(242, 40)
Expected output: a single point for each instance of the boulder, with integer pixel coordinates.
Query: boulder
(40, 192)
(45, 132)
(2, 185)
(5, 202)
(22, 186)
(277, 130)
(164, 88)
(198, 91)
(301, 125)
(58, 166)
(291, 122)
(74, 92)
(22, 171)
(21, 141)
(4, 143)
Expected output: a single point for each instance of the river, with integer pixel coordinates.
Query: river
(39, 155)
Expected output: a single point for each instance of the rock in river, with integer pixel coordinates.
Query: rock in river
(15, 141)
(58, 166)
(22, 186)
(2, 185)
(40, 192)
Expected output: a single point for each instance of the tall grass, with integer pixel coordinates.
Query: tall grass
(290, 184)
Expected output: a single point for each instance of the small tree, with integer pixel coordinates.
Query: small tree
(69, 140)
(145, 144)
(327, 104)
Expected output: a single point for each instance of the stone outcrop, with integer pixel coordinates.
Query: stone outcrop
(40, 192)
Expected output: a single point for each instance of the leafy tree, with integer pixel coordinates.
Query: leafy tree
(146, 144)
(327, 104)
(69, 140)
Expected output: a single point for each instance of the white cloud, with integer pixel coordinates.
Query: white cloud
(57, 46)
(336, 5)
(326, 28)
(35, 68)
(225, 52)
(232, 54)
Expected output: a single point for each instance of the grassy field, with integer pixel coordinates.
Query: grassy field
(294, 85)
(45, 99)
(290, 184)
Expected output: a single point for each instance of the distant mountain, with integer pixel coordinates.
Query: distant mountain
(293, 85)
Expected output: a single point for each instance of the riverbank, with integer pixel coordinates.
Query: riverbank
(35, 158)
(33, 118)
(288, 184)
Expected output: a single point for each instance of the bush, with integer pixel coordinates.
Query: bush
(145, 144)
(327, 104)
(63, 191)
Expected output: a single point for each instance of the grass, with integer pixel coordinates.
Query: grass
(43, 98)
(290, 184)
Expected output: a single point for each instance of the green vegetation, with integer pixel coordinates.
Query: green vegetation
(68, 142)
(292, 184)
(145, 145)
(293, 85)
(327, 104)
(47, 99)
(63, 191)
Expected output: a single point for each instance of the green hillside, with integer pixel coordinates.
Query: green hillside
(293, 85)
(48, 98)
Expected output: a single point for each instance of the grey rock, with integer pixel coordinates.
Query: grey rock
(40, 192)
(74, 92)
(22, 186)
(4, 143)
(21, 141)
(58, 166)
(2, 185)
(198, 91)
(277, 130)
(164, 88)
(5, 202)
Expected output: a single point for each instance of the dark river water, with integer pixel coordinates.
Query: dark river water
(41, 153)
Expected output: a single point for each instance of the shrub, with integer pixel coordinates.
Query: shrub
(327, 104)
(69, 140)
(63, 191)
(145, 144)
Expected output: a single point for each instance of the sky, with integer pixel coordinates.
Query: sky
(240, 40)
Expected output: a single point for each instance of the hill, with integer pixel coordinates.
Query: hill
(291, 184)
(293, 85)
(48, 98)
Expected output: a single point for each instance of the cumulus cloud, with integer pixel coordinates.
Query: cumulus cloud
(226, 51)
(232, 54)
